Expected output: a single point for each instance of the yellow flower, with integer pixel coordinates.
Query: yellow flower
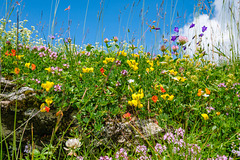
(85, 70)
(81, 75)
(42, 108)
(48, 101)
(151, 68)
(105, 62)
(135, 103)
(141, 93)
(147, 70)
(48, 69)
(218, 113)
(205, 116)
(27, 65)
(124, 53)
(14, 62)
(91, 69)
(171, 97)
(140, 105)
(48, 85)
(135, 68)
(164, 96)
(19, 57)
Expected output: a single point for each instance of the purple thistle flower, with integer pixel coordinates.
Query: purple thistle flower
(174, 38)
(176, 29)
(192, 25)
(204, 28)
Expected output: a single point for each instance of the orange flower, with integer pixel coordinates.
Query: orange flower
(163, 90)
(17, 70)
(154, 98)
(6, 53)
(59, 113)
(218, 113)
(13, 52)
(207, 91)
(102, 70)
(127, 116)
(33, 66)
(199, 92)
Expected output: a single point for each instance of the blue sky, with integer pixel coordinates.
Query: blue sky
(120, 18)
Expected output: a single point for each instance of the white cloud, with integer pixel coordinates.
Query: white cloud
(222, 30)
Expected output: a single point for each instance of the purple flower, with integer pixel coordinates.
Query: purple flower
(118, 63)
(201, 35)
(105, 158)
(51, 36)
(159, 148)
(57, 87)
(176, 29)
(121, 154)
(42, 54)
(157, 28)
(124, 72)
(180, 132)
(222, 85)
(204, 28)
(141, 149)
(192, 25)
(169, 137)
(118, 84)
(174, 38)
(66, 65)
(184, 48)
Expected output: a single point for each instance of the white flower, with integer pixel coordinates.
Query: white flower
(73, 143)
(205, 95)
(130, 80)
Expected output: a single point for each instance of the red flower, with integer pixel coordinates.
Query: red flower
(154, 98)
(7, 53)
(47, 109)
(102, 70)
(127, 116)
(163, 90)
(13, 52)
(33, 66)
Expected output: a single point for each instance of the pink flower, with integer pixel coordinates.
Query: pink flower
(182, 40)
(175, 48)
(57, 87)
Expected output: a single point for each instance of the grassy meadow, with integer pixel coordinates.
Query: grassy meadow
(195, 100)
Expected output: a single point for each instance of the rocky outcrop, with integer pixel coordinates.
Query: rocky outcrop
(128, 133)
